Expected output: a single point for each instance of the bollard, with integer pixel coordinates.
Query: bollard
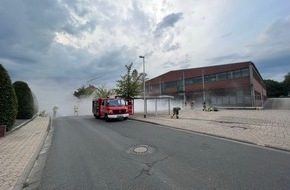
(2, 130)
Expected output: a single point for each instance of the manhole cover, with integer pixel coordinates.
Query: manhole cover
(140, 150)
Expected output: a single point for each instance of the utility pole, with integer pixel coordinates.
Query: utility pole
(184, 97)
(143, 57)
(203, 85)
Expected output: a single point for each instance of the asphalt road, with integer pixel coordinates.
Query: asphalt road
(93, 154)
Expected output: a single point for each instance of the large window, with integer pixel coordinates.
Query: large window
(170, 84)
(237, 73)
(223, 76)
(213, 77)
(206, 78)
(163, 88)
(218, 76)
(155, 87)
(245, 72)
(193, 80)
(230, 74)
(197, 80)
(180, 85)
(189, 81)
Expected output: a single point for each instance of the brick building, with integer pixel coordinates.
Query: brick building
(229, 85)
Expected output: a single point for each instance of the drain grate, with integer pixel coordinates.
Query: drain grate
(140, 150)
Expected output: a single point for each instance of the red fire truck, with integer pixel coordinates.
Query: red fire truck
(111, 108)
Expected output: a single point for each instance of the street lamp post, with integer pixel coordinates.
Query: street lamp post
(143, 57)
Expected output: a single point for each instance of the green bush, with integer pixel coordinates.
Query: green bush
(25, 100)
(35, 104)
(8, 100)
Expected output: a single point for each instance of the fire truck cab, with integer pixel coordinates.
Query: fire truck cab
(110, 108)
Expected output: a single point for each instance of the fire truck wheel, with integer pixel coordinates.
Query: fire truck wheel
(125, 118)
(96, 116)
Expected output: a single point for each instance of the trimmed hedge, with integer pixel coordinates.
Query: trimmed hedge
(8, 100)
(35, 104)
(25, 100)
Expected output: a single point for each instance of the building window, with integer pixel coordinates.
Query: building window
(189, 81)
(213, 77)
(218, 76)
(147, 88)
(223, 76)
(197, 80)
(237, 74)
(206, 78)
(230, 74)
(245, 72)
(155, 87)
(194, 80)
(170, 84)
(180, 85)
(163, 88)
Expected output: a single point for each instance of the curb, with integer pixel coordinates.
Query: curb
(34, 178)
(217, 136)
(22, 179)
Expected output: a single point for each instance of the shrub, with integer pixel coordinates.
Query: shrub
(8, 100)
(25, 100)
(35, 104)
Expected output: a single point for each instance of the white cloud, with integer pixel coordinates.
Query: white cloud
(72, 41)
(275, 39)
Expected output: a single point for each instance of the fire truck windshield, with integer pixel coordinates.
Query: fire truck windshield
(116, 102)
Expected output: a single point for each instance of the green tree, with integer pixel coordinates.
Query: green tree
(130, 84)
(84, 92)
(103, 92)
(8, 100)
(25, 100)
(274, 89)
(286, 82)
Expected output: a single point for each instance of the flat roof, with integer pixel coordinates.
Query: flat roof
(155, 97)
(212, 66)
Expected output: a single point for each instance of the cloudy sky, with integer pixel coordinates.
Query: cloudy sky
(58, 45)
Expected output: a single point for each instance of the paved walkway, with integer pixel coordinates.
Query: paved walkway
(270, 128)
(18, 148)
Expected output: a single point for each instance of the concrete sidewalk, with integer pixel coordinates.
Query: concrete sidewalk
(269, 128)
(18, 150)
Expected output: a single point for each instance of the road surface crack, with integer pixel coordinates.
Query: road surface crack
(148, 166)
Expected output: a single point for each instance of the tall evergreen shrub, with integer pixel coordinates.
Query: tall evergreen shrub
(25, 100)
(8, 100)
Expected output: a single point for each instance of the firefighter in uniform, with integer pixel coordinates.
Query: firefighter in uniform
(204, 105)
(192, 105)
(76, 111)
(175, 112)
(55, 108)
